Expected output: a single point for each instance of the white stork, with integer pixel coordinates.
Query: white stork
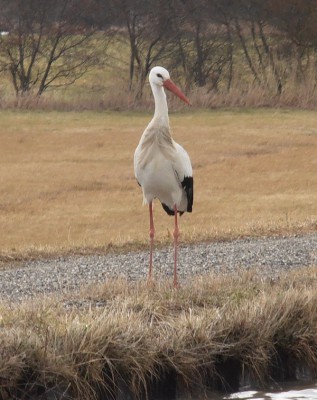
(162, 167)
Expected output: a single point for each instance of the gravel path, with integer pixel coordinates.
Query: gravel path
(270, 255)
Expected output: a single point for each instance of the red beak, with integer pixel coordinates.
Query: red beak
(170, 85)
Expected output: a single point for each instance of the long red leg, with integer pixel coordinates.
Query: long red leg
(176, 234)
(152, 231)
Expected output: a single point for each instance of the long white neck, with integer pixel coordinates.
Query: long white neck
(161, 110)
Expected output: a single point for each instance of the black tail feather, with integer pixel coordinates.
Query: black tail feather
(169, 211)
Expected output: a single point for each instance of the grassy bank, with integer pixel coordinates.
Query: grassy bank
(128, 337)
(67, 181)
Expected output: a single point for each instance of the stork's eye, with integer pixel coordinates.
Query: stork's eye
(159, 76)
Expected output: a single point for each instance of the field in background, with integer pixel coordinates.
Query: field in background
(67, 178)
(105, 87)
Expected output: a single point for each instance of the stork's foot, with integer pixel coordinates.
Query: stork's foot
(176, 285)
(150, 283)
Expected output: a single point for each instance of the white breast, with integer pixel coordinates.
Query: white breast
(156, 165)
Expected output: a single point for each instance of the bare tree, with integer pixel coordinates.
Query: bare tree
(203, 49)
(297, 18)
(49, 42)
(251, 26)
(150, 35)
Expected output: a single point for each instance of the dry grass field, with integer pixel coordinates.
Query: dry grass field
(67, 178)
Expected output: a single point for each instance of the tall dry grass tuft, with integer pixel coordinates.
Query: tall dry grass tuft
(124, 337)
(253, 96)
(120, 99)
(114, 95)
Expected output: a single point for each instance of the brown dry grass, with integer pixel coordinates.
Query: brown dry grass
(67, 178)
(141, 334)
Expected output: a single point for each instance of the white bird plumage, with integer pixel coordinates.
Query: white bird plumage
(162, 167)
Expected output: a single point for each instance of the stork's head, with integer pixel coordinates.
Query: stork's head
(160, 76)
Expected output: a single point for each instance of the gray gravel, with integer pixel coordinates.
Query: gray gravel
(270, 255)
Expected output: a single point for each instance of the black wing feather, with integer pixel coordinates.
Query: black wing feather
(188, 186)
